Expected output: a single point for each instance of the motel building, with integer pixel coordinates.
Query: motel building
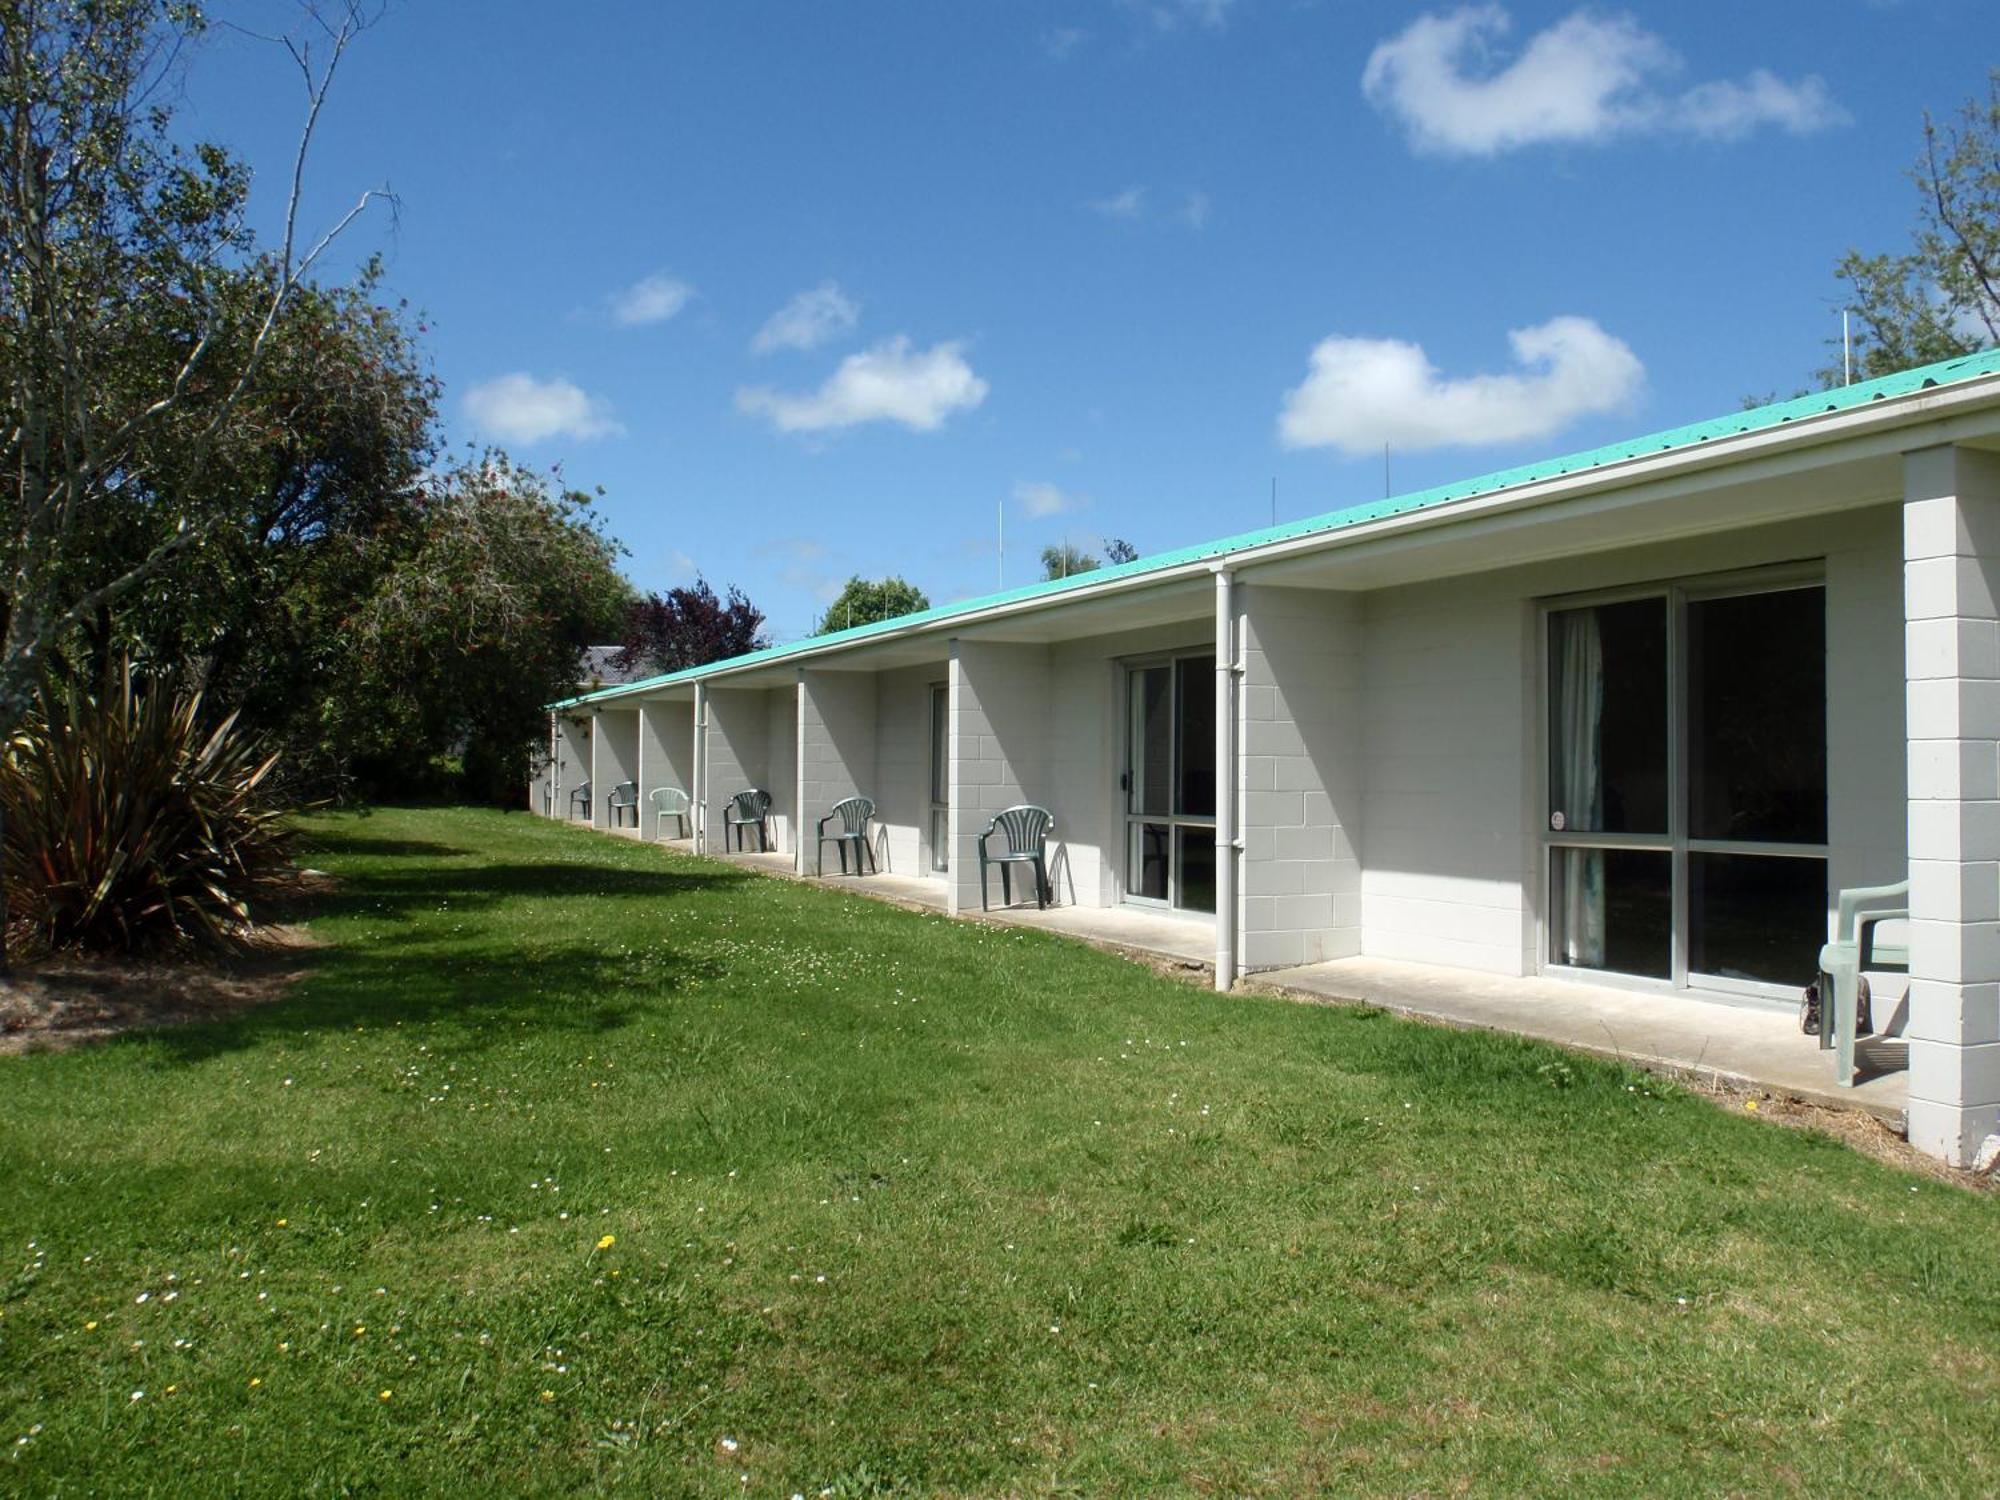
(1621, 725)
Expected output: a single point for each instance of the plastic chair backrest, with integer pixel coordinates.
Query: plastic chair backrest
(854, 814)
(1026, 828)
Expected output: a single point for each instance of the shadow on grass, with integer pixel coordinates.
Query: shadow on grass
(399, 891)
(326, 841)
(555, 975)
(571, 989)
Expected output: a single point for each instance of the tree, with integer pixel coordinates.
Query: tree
(1061, 560)
(864, 601)
(132, 313)
(320, 481)
(690, 627)
(478, 620)
(1118, 550)
(1942, 299)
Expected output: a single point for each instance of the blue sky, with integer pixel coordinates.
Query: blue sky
(814, 289)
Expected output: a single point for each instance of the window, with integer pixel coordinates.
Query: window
(1169, 782)
(940, 777)
(1686, 826)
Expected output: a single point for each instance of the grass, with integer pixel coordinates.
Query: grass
(574, 1165)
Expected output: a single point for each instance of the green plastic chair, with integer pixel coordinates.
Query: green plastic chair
(748, 809)
(1843, 961)
(853, 815)
(669, 802)
(579, 801)
(1026, 829)
(624, 798)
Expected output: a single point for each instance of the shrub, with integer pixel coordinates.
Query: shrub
(131, 822)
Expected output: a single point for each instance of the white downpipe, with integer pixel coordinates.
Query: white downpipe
(1225, 780)
(596, 786)
(700, 799)
(799, 778)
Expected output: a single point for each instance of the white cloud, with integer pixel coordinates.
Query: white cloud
(652, 299)
(1131, 206)
(518, 408)
(1126, 205)
(1040, 500)
(890, 382)
(1361, 393)
(1585, 79)
(1171, 15)
(804, 566)
(810, 319)
(1061, 42)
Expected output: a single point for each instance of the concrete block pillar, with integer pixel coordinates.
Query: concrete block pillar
(1951, 581)
(1300, 752)
(836, 750)
(999, 751)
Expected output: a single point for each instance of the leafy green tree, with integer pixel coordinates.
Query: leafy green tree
(318, 482)
(864, 601)
(1118, 550)
(1062, 560)
(1942, 298)
(134, 312)
(477, 621)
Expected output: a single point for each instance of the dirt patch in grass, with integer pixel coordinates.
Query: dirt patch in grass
(69, 1000)
(56, 1003)
(1856, 1128)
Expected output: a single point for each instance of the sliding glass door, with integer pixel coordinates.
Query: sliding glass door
(1169, 783)
(1686, 831)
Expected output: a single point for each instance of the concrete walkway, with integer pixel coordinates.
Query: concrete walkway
(1703, 1039)
(1707, 1040)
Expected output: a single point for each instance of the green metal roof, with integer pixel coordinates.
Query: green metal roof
(1692, 435)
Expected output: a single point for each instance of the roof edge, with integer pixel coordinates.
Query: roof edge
(1688, 436)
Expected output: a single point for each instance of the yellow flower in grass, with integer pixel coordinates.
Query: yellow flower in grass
(607, 1242)
(385, 1395)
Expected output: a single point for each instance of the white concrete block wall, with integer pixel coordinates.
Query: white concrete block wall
(781, 740)
(1951, 579)
(615, 751)
(902, 781)
(1866, 801)
(837, 714)
(572, 758)
(1445, 831)
(666, 758)
(999, 748)
(1299, 739)
(1452, 798)
(739, 726)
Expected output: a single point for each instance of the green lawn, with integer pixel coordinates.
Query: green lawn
(575, 1165)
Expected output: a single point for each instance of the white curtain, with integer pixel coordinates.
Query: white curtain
(1580, 783)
